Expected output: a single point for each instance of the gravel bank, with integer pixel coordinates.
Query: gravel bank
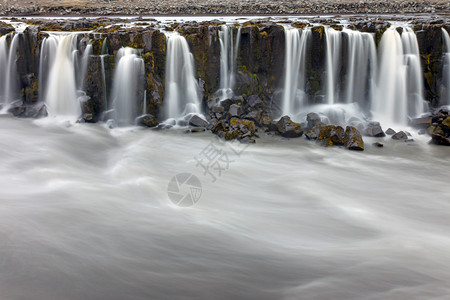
(213, 7)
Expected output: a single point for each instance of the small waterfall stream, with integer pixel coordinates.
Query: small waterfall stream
(182, 93)
(333, 62)
(62, 72)
(294, 96)
(127, 85)
(9, 78)
(445, 90)
(229, 47)
(399, 84)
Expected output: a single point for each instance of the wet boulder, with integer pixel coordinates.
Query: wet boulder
(288, 128)
(235, 110)
(331, 135)
(440, 132)
(401, 135)
(353, 139)
(21, 110)
(374, 129)
(314, 133)
(197, 121)
(312, 119)
(390, 131)
(421, 123)
(147, 120)
(254, 101)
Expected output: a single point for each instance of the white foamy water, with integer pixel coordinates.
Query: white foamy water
(85, 215)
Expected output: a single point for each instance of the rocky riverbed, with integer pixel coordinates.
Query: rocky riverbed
(213, 7)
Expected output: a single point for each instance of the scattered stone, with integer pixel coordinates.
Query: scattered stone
(353, 139)
(390, 131)
(21, 110)
(313, 133)
(409, 140)
(287, 128)
(197, 129)
(378, 145)
(440, 131)
(218, 109)
(235, 110)
(407, 133)
(421, 132)
(423, 122)
(197, 121)
(331, 135)
(374, 129)
(400, 136)
(254, 101)
(312, 119)
(147, 120)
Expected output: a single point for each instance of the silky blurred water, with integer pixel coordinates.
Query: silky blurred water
(84, 214)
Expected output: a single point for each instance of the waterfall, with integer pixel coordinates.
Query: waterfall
(333, 62)
(12, 77)
(360, 68)
(445, 90)
(182, 94)
(127, 83)
(84, 66)
(49, 48)
(62, 72)
(294, 97)
(144, 103)
(3, 67)
(105, 96)
(228, 54)
(61, 96)
(9, 78)
(399, 83)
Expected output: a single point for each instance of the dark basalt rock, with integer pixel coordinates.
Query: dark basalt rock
(331, 135)
(21, 110)
(254, 101)
(424, 122)
(312, 119)
(196, 121)
(314, 133)
(353, 139)
(378, 145)
(401, 135)
(217, 109)
(440, 132)
(147, 120)
(287, 128)
(235, 110)
(374, 129)
(390, 131)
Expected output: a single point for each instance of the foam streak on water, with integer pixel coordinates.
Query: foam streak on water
(85, 215)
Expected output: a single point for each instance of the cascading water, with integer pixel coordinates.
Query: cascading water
(62, 71)
(84, 65)
(359, 63)
(445, 90)
(127, 83)
(333, 63)
(3, 66)
(9, 78)
(294, 96)
(182, 93)
(361, 67)
(228, 52)
(399, 83)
